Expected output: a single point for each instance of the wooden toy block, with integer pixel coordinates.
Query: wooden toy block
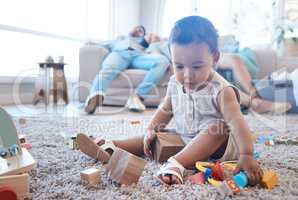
(91, 175)
(19, 183)
(269, 180)
(166, 145)
(124, 167)
(22, 139)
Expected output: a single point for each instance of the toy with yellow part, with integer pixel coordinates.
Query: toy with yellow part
(269, 179)
(217, 174)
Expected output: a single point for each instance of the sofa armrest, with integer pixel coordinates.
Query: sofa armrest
(287, 63)
(267, 61)
(90, 59)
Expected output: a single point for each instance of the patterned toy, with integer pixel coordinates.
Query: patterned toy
(220, 176)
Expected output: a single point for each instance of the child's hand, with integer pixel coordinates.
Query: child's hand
(148, 139)
(253, 170)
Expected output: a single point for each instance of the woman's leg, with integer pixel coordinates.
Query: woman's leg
(241, 74)
(249, 95)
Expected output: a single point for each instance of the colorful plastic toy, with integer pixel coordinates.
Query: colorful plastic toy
(217, 172)
(215, 175)
(8, 193)
(241, 179)
(269, 180)
(198, 178)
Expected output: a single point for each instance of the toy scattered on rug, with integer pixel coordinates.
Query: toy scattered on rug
(166, 144)
(15, 161)
(91, 176)
(268, 140)
(135, 122)
(286, 140)
(72, 141)
(124, 167)
(220, 175)
(22, 121)
(23, 142)
(271, 140)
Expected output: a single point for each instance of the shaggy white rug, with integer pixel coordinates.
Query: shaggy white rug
(57, 175)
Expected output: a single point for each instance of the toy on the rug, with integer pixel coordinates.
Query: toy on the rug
(22, 121)
(8, 193)
(286, 140)
(16, 161)
(266, 139)
(72, 142)
(124, 167)
(220, 175)
(166, 145)
(23, 142)
(269, 179)
(22, 139)
(91, 175)
(135, 122)
(271, 140)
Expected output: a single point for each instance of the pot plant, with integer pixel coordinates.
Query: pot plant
(286, 40)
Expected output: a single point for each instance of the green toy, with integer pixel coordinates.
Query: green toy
(9, 141)
(18, 159)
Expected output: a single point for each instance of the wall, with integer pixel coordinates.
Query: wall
(148, 14)
(125, 15)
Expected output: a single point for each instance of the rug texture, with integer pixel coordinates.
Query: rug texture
(57, 175)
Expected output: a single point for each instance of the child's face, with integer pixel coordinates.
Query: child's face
(193, 64)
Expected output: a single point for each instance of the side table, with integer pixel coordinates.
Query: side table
(43, 90)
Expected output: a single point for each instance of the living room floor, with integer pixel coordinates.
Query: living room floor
(57, 175)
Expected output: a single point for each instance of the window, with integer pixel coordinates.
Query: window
(291, 17)
(250, 21)
(173, 11)
(254, 22)
(31, 30)
(218, 12)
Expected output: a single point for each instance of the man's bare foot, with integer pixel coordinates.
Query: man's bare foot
(264, 106)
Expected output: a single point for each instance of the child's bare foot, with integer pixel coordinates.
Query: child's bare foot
(264, 106)
(90, 148)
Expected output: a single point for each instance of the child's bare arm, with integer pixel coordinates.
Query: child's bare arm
(162, 116)
(160, 119)
(230, 109)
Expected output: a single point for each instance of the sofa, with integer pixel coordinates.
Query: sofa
(92, 55)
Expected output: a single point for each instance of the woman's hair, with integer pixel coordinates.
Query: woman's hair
(194, 29)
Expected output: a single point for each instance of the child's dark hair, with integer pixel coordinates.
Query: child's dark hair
(195, 29)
